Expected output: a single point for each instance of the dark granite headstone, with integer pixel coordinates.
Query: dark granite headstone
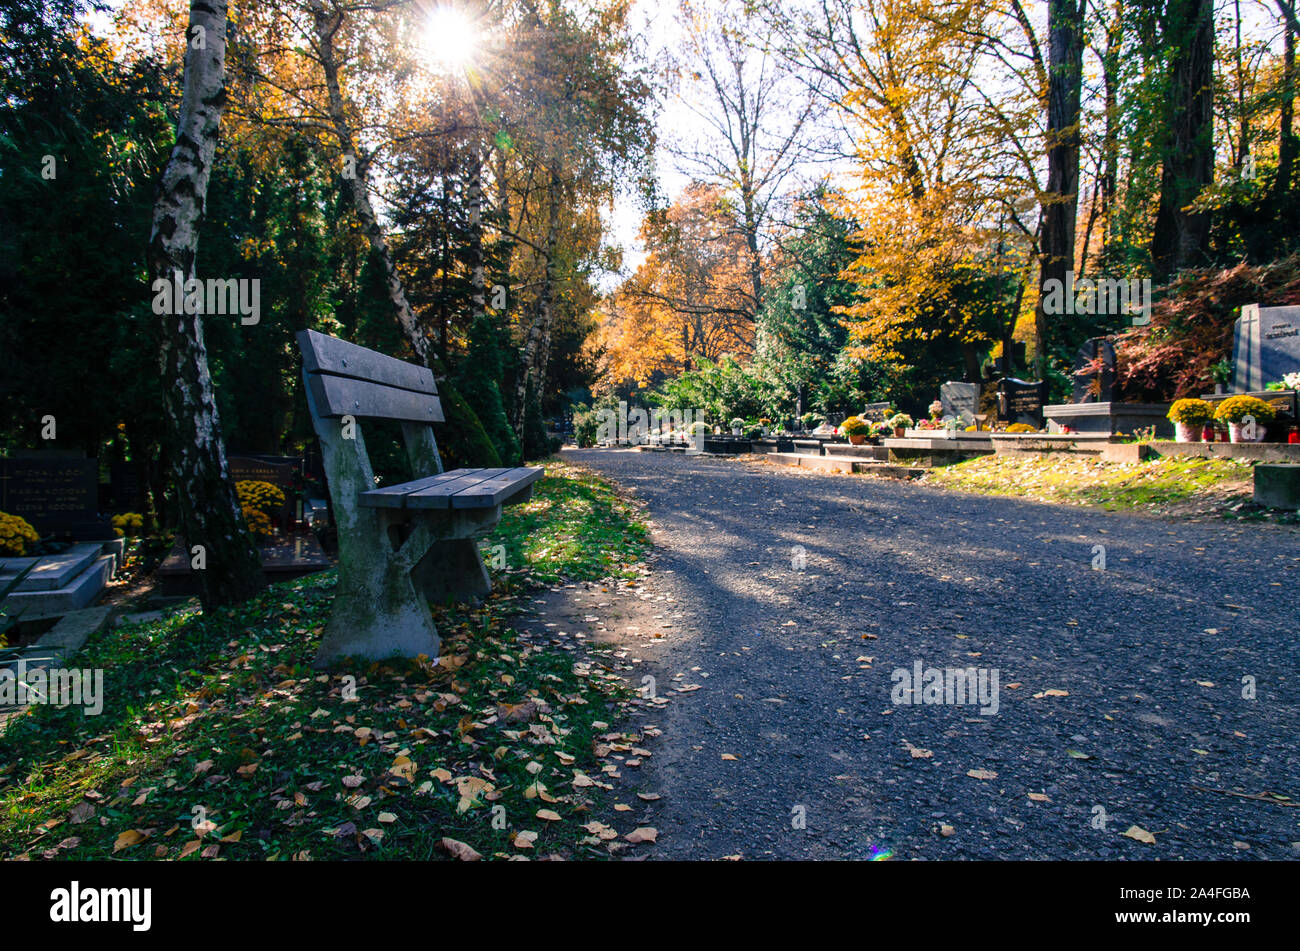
(56, 492)
(1265, 346)
(961, 400)
(1094, 372)
(283, 472)
(1021, 402)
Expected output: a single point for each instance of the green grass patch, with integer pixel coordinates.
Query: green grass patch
(1154, 483)
(576, 526)
(218, 740)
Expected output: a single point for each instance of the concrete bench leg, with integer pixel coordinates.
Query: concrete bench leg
(379, 612)
(452, 569)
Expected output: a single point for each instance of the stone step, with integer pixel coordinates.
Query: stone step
(808, 461)
(75, 594)
(889, 470)
(52, 571)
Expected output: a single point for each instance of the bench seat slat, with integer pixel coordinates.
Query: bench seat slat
(338, 396)
(394, 496)
(497, 489)
(324, 354)
(439, 496)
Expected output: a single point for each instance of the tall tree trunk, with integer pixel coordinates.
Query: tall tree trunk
(1286, 145)
(209, 509)
(356, 174)
(1110, 134)
(1060, 202)
(537, 342)
(1180, 236)
(478, 284)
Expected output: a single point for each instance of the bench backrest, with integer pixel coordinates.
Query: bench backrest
(348, 380)
(345, 380)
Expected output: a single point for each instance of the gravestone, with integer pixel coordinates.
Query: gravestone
(1021, 402)
(1094, 372)
(1265, 346)
(283, 472)
(874, 412)
(961, 400)
(57, 492)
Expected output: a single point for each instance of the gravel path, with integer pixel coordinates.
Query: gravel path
(795, 672)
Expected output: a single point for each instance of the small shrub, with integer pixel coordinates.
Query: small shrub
(131, 524)
(15, 534)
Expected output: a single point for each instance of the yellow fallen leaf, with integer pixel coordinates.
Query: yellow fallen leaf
(548, 814)
(1140, 834)
(129, 838)
(643, 834)
(525, 839)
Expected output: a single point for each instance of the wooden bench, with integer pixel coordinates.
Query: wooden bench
(400, 546)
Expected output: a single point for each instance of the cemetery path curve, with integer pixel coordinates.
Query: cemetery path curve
(1124, 693)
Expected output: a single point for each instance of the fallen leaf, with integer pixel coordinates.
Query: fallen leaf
(129, 838)
(525, 839)
(459, 850)
(1140, 834)
(981, 774)
(643, 834)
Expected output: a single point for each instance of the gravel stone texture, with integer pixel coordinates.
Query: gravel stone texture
(784, 740)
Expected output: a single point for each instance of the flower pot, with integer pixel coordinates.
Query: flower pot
(1237, 433)
(858, 440)
(1187, 432)
(898, 432)
(735, 431)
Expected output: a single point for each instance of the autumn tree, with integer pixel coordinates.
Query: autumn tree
(691, 298)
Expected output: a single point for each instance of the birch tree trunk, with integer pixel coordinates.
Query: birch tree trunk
(356, 172)
(478, 284)
(230, 568)
(536, 348)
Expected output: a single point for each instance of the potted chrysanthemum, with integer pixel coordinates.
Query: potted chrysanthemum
(856, 429)
(1189, 417)
(1246, 416)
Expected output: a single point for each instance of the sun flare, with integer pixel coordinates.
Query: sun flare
(449, 39)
